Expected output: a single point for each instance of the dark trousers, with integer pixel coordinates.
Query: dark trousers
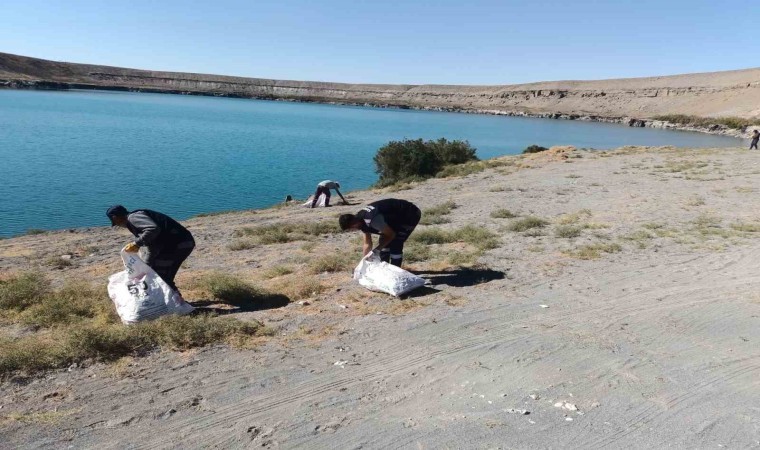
(321, 190)
(753, 144)
(394, 252)
(167, 260)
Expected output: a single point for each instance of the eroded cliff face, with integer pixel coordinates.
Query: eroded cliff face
(733, 93)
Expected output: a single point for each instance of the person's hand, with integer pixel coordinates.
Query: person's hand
(131, 248)
(374, 255)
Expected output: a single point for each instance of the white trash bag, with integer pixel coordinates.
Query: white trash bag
(140, 294)
(380, 276)
(320, 201)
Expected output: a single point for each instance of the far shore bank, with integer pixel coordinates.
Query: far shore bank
(715, 129)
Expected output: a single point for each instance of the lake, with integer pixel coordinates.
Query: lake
(66, 156)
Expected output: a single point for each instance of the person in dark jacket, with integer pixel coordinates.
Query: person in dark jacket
(755, 138)
(393, 219)
(167, 243)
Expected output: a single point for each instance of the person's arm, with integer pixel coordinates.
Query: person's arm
(341, 196)
(149, 230)
(367, 247)
(386, 237)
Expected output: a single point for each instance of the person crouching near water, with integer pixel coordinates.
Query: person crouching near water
(167, 243)
(393, 219)
(324, 188)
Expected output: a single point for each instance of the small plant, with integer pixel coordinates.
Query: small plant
(278, 271)
(527, 223)
(58, 262)
(534, 149)
(234, 291)
(594, 251)
(35, 231)
(242, 244)
(502, 213)
(437, 214)
(567, 231)
(332, 263)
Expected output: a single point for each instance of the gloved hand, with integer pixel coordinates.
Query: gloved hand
(131, 248)
(374, 255)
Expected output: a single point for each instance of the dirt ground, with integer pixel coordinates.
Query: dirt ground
(631, 319)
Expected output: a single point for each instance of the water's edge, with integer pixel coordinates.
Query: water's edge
(629, 121)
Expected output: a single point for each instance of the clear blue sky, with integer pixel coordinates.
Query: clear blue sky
(445, 41)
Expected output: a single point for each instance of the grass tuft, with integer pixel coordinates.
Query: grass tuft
(437, 214)
(527, 223)
(503, 213)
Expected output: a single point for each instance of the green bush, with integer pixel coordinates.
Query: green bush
(534, 149)
(437, 214)
(503, 213)
(414, 159)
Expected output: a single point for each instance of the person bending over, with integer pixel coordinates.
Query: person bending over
(167, 243)
(324, 188)
(393, 219)
(755, 138)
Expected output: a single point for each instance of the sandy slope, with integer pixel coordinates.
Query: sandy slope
(655, 345)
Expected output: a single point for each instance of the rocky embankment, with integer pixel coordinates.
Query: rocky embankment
(633, 101)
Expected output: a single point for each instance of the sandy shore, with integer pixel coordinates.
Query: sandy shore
(640, 331)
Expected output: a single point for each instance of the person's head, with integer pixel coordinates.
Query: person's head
(755, 132)
(349, 222)
(337, 185)
(118, 215)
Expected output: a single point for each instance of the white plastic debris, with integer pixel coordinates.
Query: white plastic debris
(570, 407)
(535, 396)
(559, 404)
(569, 419)
(341, 363)
(380, 276)
(544, 306)
(523, 412)
(139, 294)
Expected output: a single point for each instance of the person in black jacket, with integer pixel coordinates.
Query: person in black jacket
(393, 219)
(167, 243)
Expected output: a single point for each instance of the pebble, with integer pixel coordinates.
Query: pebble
(304, 303)
(535, 396)
(569, 419)
(524, 412)
(341, 363)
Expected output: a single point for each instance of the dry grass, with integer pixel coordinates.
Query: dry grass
(593, 251)
(503, 213)
(279, 233)
(527, 223)
(437, 214)
(77, 323)
(567, 231)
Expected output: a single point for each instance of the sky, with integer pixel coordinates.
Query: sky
(399, 42)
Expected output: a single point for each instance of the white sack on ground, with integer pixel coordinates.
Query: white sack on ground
(383, 277)
(140, 294)
(320, 202)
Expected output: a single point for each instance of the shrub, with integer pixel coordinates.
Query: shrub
(502, 213)
(527, 223)
(534, 149)
(278, 271)
(35, 231)
(74, 303)
(410, 159)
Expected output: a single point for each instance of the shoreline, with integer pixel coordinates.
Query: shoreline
(629, 121)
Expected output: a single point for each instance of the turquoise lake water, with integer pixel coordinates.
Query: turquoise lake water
(66, 156)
